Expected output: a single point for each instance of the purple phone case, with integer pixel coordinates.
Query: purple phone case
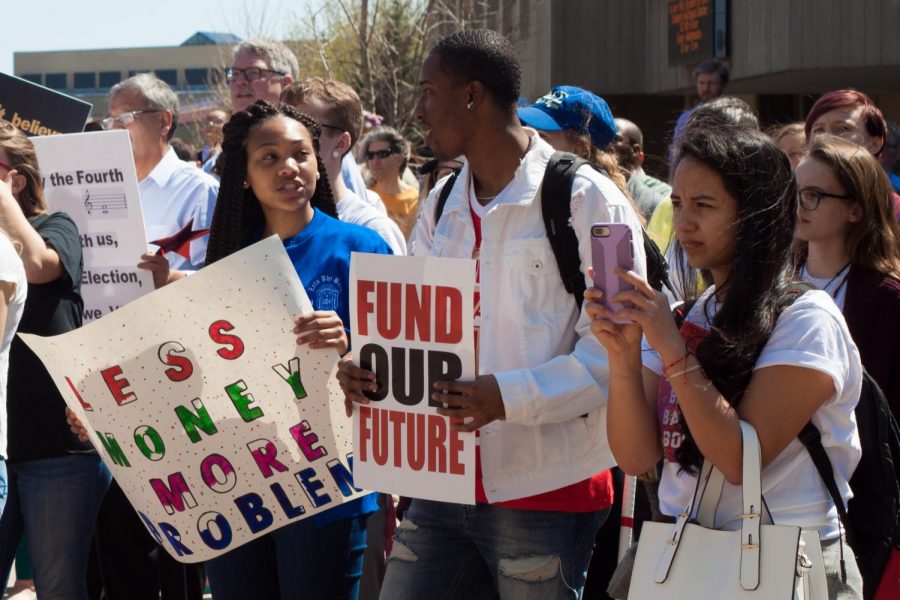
(610, 251)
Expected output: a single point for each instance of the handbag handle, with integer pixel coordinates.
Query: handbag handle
(712, 482)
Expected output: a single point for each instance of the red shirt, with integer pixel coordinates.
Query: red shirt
(592, 494)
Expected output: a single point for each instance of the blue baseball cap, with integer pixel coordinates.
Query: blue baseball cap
(570, 107)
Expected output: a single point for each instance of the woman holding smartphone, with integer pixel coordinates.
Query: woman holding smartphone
(738, 355)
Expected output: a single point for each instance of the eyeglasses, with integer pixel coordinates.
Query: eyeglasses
(3, 165)
(250, 74)
(332, 127)
(381, 153)
(125, 119)
(810, 198)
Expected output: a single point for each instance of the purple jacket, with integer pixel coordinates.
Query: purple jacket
(872, 311)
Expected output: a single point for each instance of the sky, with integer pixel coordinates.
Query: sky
(37, 25)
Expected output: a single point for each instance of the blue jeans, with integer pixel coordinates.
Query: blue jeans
(454, 551)
(54, 503)
(295, 562)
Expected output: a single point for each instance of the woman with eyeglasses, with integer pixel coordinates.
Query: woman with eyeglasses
(56, 482)
(848, 244)
(387, 154)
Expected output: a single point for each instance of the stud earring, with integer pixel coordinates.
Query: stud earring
(335, 154)
(470, 105)
(246, 185)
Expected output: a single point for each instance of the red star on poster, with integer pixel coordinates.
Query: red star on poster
(180, 243)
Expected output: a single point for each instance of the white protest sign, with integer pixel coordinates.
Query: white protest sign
(91, 177)
(216, 425)
(412, 325)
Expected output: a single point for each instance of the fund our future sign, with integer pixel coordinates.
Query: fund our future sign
(216, 425)
(91, 177)
(412, 325)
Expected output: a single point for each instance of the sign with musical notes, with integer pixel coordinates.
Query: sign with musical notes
(91, 177)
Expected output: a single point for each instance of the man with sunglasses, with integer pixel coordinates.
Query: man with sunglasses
(178, 200)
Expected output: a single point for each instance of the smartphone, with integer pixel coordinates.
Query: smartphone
(611, 247)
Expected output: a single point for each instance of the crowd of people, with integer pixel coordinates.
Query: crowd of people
(568, 394)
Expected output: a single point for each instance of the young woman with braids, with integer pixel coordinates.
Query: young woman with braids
(739, 354)
(274, 182)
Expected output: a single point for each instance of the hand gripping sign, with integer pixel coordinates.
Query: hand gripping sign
(216, 425)
(413, 324)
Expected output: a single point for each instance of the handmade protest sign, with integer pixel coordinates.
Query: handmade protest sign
(38, 110)
(216, 425)
(412, 321)
(91, 177)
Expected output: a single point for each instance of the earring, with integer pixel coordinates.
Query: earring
(246, 185)
(335, 154)
(470, 105)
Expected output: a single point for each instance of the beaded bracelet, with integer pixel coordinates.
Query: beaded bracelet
(684, 371)
(682, 358)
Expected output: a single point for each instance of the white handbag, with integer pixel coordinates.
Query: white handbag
(691, 559)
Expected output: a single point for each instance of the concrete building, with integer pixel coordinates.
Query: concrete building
(195, 70)
(783, 54)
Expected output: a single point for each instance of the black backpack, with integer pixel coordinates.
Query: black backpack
(872, 517)
(557, 184)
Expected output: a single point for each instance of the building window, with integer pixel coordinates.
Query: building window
(57, 81)
(170, 76)
(109, 78)
(196, 76)
(34, 78)
(133, 72)
(85, 81)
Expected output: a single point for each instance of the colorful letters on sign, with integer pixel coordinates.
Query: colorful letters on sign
(217, 426)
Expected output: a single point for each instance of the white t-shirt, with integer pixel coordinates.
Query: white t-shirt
(12, 270)
(352, 209)
(811, 333)
(836, 286)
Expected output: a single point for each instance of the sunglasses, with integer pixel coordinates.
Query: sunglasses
(381, 153)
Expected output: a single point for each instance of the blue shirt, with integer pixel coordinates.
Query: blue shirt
(321, 255)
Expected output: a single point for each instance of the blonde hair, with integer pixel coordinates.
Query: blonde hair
(23, 158)
(585, 148)
(873, 242)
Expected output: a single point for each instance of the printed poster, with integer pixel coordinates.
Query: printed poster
(38, 110)
(216, 425)
(91, 177)
(412, 325)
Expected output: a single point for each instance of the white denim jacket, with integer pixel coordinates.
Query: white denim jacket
(553, 373)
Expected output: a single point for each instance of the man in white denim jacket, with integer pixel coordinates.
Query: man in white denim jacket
(539, 401)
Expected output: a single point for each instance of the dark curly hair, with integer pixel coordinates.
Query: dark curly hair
(238, 215)
(758, 174)
(482, 55)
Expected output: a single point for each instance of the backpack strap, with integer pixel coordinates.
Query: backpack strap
(812, 440)
(442, 199)
(556, 207)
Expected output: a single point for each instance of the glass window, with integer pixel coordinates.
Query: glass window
(109, 78)
(57, 81)
(85, 81)
(37, 78)
(196, 76)
(170, 76)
